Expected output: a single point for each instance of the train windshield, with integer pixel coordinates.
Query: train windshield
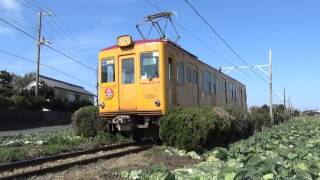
(107, 70)
(149, 65)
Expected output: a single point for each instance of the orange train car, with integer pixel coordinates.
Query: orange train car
(140, 80)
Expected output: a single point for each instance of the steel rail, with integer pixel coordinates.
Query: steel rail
(34, 162)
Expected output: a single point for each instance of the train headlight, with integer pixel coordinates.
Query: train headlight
(157, 102)
(101, 105)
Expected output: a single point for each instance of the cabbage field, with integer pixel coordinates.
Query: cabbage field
(289, 151)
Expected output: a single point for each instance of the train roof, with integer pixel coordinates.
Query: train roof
(176, 46)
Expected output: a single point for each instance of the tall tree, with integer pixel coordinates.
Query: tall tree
(6, 87)
(21, 83)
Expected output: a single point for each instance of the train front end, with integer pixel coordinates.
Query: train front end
(132, 89)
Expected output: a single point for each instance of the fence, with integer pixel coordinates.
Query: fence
(23, 119)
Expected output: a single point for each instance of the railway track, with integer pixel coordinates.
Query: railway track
(40, 166)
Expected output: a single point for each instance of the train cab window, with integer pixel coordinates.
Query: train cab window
(127, 71)
(189, 74)
(107, 70)
(149, 65)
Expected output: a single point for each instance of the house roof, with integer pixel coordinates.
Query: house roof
(64, 85)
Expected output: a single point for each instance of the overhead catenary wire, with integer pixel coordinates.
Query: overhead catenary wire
(60, 28)
(222, 39)
(49, 46)
(44, 65)
(204, 44)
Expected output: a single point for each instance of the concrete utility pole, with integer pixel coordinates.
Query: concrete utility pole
(270, 87)
(284, 100)
(40, 41)
(227, 70)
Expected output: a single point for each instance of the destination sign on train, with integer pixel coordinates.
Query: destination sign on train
(124, 41)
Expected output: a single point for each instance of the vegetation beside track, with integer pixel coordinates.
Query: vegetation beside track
(288, 151)
(28, 146)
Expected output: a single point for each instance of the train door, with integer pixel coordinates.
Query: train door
(172, 89)
(127, 85)
(192, 85)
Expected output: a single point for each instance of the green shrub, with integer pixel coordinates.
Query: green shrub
(5, 103)
(85, 121)
(190, 128)
(25, 102)
(204, 128)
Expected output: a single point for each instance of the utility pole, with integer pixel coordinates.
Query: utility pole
(97, 86)
(289, 106)
(227, 70)
(270, 87)
(40, 42)
(284, 100)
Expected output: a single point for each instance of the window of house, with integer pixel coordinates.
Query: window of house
(127, 71)
(107, 70)
(149, 65)
(180, 74)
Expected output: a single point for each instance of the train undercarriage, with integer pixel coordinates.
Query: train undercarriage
(137, 127)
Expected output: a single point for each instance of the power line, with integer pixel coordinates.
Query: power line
(61, 29)
(221, 38)
(17, 28)
(50, 47)
(45, 65)
(69, 57)
(202, 42)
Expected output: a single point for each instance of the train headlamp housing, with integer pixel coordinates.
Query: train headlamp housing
(157, 102)
(101, 105)
(124, 41)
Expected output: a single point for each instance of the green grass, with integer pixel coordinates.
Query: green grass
(49, 143)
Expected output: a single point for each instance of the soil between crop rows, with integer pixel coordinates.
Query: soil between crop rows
(110, 169)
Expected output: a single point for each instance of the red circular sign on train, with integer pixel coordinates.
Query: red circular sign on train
(109, 93)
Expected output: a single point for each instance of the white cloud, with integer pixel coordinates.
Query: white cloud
(10, 5)
(12, 9)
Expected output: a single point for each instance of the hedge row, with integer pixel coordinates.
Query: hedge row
(203, 128)
(32, 103)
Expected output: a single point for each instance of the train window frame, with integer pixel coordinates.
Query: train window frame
(207, 86)
(132, 73)
(170, 68)
(154, 54)
(189, 75)
(180, 74)
(195, 76)
(102, 70)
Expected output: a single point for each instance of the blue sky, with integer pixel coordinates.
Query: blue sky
(289, 27)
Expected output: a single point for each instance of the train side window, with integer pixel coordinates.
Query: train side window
(149, 65)
(127, 71)
(195, 76)
(170, 68)
(180, 74)
(213, 84)
(189, 74)
(207, 87)
(107, 70)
